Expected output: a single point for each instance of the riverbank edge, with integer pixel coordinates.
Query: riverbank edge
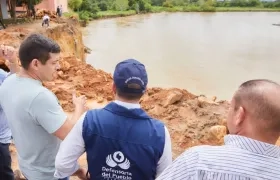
(155, 9)
(116, 14)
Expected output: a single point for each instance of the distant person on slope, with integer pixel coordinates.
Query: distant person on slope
(60, 11)
(46, 20)
(57, 11)
(37, 120)
(121, 140)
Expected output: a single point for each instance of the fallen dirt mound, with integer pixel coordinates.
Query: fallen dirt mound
(39, 14)
(76, 75)
(191, 120)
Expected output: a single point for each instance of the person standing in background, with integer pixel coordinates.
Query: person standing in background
(60, 10)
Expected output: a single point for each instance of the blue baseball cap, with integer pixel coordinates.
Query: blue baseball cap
(130, 76)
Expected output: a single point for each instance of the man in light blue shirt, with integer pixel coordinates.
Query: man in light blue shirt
(37, 121)
(6, 171)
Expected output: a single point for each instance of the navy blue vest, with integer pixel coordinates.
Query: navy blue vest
(122, 144)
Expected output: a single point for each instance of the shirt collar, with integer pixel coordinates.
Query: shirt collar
(253, 145)
(3, 75)
(127, 105)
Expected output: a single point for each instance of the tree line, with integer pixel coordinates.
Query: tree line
(91, 7)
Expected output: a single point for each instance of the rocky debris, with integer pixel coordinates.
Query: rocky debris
(87, 50)
(173, 98)
(76, 74)
(218, 132)
(188, 123)
(39, 14)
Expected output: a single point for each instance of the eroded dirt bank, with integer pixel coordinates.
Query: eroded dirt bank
(191, 119)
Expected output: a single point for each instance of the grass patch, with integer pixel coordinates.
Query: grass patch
(157, 9)
(70, 14)
(193, 8)
(108, 14)
(246, 9)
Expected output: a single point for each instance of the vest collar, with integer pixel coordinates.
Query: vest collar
(137, 113)
(127, 105)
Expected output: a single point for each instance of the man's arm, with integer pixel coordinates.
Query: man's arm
(69, 123)
(49, 114)
(80, 108)
(9, 54)
(166, 158)
(69, 152)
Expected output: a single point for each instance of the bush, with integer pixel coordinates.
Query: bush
(148, 7)
(84, 15)
(89, 6)
(157, 2)
(75, 4)
(253, 3)
(207, 8)
(103, 6)
(167, 4)
(276, 4)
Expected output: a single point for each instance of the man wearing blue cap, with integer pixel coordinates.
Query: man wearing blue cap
(121, 141)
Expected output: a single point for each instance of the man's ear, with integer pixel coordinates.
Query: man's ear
(34, 64)
(240, 116)
(114, 88)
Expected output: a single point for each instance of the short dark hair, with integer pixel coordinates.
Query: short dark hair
(37, 46)
(129, 96)
(4, 67)
(260, 99)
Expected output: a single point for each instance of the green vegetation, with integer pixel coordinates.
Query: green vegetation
(95, 9)
(246, 9)
(108, 14)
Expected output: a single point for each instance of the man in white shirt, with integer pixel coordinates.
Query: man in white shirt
(121, 140)
(46, 20)
(249, 152)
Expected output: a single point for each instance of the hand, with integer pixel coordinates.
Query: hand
(82, 174)
(79, 102)
(8, 53)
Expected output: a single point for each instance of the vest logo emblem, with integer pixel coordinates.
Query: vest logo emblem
(117, 159)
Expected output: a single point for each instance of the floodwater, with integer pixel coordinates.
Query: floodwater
(205, 53)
